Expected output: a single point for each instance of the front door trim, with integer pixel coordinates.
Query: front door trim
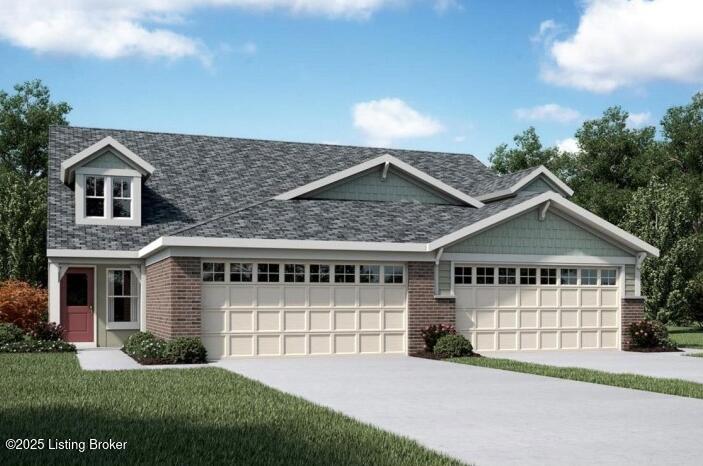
(94, 271)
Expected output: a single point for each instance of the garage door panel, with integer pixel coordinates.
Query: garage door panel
(370, 320)
(320, 320)
(394, 342)
(240, 321)
(294, 321)
(214, 319)
(243, 296)
(295, 296)
(215, 345)
(268, 345)
(241, 345)
(393, 320)
(394, 296)
(294, 344)
(369, 343)
(320, 344)
(268, 321)
(320, 296)
(557, 314)
(370, 297)
(344, 344)
(215, 298)
(269, 296)
(345, 296)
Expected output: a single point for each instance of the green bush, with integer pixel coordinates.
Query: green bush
(10, 333)
(432, 333)
(453, 346)
(649, 334)
(37, 346)
(146, 348)
(186, 351)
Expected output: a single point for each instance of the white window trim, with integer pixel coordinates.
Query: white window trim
(108, 219)
(135, 323)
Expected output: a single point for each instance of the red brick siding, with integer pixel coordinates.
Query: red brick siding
(173, 297)
(423, 308)
(632, 311)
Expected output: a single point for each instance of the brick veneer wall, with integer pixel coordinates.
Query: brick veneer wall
(632, 311)
(173, 297)
(423, 308)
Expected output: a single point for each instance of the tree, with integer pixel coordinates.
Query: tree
(528, 152)
(25, 118)
(682, 127)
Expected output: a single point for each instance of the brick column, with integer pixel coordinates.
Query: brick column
(423, 308)
(173, 294)
(632, 311)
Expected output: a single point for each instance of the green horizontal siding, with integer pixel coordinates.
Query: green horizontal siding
(629, 280)
(444, 277)
(107, 160)
(371, 187)
(526, 234)
(538, 185)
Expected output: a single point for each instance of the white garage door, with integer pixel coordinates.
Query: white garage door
(533, 308)
(296, 309)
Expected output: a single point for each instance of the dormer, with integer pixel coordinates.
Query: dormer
(107, 179)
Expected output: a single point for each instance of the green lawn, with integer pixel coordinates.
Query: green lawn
(186, 416)
(695, 355)
(637, 382)
(687, 337)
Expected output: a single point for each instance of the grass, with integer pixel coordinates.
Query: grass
(637, 382)
(180, 416)
(695, 355)
(687, 337)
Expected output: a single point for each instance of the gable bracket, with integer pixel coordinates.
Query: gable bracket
(543, 211)
(385, 170)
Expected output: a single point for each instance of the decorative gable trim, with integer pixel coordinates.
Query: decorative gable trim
(69, 166)
(527, 179)
(386, 160)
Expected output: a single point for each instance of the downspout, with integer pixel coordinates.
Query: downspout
(638, 273)
(438, 256)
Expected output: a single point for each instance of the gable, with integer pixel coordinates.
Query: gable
(372, 186)
(526, 234)
(539, 185)
(107, 160)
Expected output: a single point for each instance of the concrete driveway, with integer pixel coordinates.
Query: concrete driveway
(673, 365)
(493, 417)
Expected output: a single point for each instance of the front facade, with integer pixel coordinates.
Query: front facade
(265, 248)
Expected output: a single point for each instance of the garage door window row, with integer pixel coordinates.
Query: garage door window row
(465, 275)
(265, 272)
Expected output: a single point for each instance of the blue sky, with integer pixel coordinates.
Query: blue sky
(459, 76)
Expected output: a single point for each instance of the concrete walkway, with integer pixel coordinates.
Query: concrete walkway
(494, 417)
(673, 365)
(112, 359)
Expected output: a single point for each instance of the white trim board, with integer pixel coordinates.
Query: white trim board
(68, 166)
(382, 160)
(535, 259)
(536, 173)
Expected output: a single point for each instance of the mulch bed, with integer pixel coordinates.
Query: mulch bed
(426, 355)
(653, 350)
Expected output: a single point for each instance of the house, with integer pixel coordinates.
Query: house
(268, 248)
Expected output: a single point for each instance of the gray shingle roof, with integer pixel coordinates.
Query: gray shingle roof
(199, 178)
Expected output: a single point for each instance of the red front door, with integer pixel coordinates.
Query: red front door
(77, 304)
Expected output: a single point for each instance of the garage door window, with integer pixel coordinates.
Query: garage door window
(268, 273)
(319, 273)
(589, 277)
(506, 276)
(608, 277)
(569, 277)
(393, 274)
(294, 273)
(484, 275)
(548, 276)
(239, 272)
(462, 275)
(344, 274)
(369, 273)
(528, 276)
(213, 271)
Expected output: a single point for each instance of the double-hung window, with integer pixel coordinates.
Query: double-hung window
(121, 197)
(122, 299)
(105, 198)
(94, 196)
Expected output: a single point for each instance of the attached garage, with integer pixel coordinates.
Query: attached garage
(527, 307)
(297, 309)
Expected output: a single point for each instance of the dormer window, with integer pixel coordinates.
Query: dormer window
(107, 178)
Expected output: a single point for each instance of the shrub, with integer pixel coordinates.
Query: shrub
(47, 331)
(22, 304)
(432, 333)
(37, 346)
(186, 351)
(10, 333)
(146, 348)
(649, 334)
(453, 346)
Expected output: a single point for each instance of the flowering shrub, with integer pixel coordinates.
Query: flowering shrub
(146, 348)
(649, 334)
(22, 304)
(37, 346)
(10, 333)
(47, 331)
(453, 346)
(434, 332)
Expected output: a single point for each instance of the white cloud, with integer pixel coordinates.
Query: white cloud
(548, 112)
(461, 138)
(628, 42)
(568, 145)
(637, 120)
(112, 29)
(385, 120)
(547, 30)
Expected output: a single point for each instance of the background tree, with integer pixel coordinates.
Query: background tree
(25, 117)
(528, 152)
